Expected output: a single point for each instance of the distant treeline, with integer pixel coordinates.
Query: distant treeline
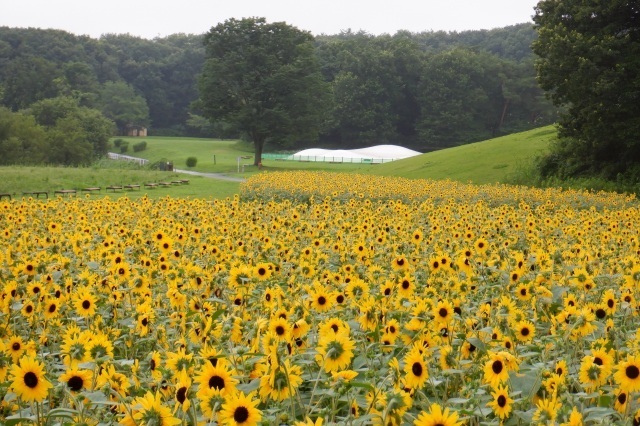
(423, 90)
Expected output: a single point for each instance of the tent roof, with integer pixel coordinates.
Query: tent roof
(394, 152)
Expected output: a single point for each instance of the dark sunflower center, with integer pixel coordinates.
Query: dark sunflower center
(502, 401)
(525, 331)
(279, 330)
(622, 398)
(262, 271)
(340, 298)
(632, 372)
(181, 395)
(213, 361)
(597, 361)
(610, 303)
(52, 308)
(322, 300)
(86, 304)
(145, 321)
(405, 284)
(31, 380)
(216, 382)
(416, 369)
(15, 346)
(497, 366)
(241, 414)
(443, 312)
(334, 328)
(75, 383)
(600, 313)
(152, 364)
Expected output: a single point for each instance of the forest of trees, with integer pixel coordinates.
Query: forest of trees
(422, 90)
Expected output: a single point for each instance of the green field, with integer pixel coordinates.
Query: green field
(16, 180)
(489, 161)
(483, 162)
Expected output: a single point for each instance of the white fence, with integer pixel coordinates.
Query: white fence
(326, 159)
(114, 156)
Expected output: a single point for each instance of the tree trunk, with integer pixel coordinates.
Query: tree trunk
(259, 144)
(504, 112)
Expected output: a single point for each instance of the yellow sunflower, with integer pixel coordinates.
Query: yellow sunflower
(76, 379)
(501, 404)
(415, 368)
(219, 378)
(240, 410)
(437, 416)
(29, 381)
(149, 409)
(335, 352)
(627, 374)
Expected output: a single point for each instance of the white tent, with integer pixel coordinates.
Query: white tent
(374, 154)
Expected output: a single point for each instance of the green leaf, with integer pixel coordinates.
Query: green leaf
(249, 387)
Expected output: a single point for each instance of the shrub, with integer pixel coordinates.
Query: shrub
(140, 146)
(117, 142)
(192, 161)
(124, 146)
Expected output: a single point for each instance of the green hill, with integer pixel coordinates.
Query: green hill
(489, 161)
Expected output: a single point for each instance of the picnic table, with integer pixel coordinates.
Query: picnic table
(91, 189)
(5, 194)
(37, 193)
(132, 186)
(151, 185)
(65, 192)
(114, 188)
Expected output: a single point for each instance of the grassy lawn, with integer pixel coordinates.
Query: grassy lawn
(221, 156)
(16, 180)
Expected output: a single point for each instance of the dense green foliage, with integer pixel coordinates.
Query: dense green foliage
(404, 88)
(53, 131)
(589, 61)
(264, 79)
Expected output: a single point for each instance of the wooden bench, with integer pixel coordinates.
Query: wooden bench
(37, 194)
(91, 189)
(184, 181)
(165, 184)
(65, 192)
(151, 185)
(5, 195)
(132, 186)
(114, 188)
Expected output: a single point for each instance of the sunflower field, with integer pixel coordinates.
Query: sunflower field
(322, 298)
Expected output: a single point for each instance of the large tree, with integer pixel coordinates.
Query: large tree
(589, 62)
(264, 79)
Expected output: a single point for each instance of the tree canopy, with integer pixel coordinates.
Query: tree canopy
(264, 79)
(589, 63)
(382, 89)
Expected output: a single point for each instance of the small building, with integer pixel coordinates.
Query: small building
(132, 130)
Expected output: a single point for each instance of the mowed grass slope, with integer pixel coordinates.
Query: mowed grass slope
(490, 161)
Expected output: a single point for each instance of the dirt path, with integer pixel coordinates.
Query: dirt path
(220, 176)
